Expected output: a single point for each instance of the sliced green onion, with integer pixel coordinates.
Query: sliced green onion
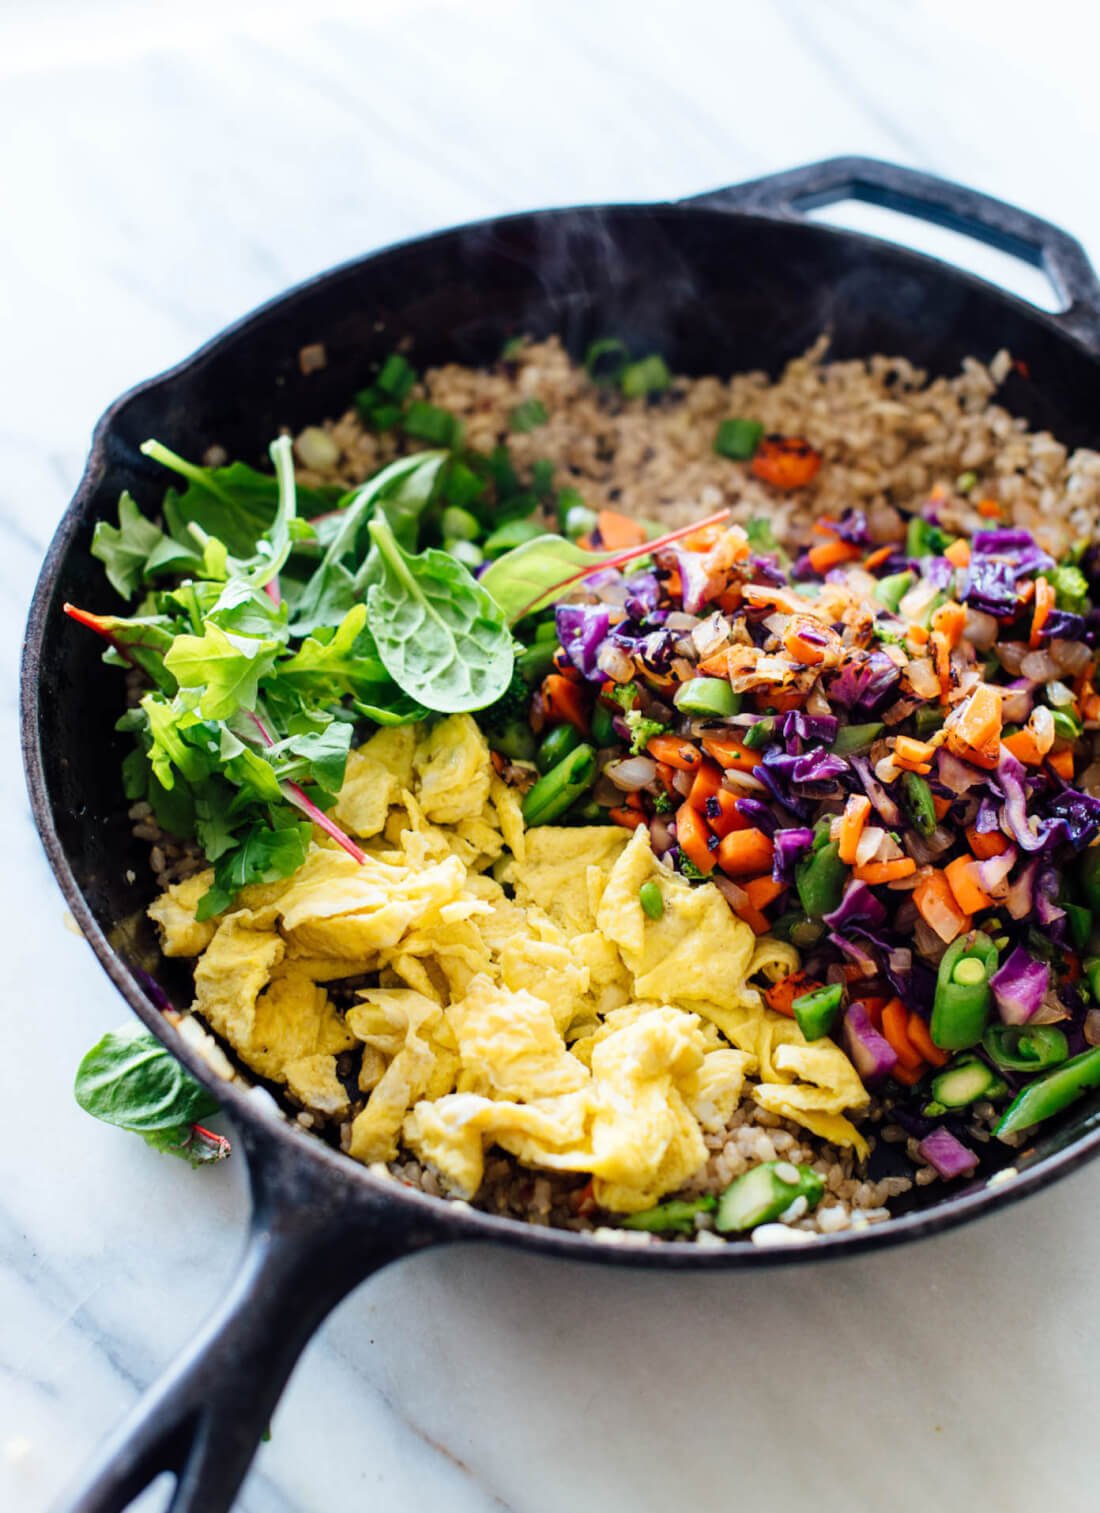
(528, 416)
(738, 438)
(969, 971)
(542, 476)
(605, 360)
(396, 377)
(965, 482)
(462, 487)
(649, 376)
(892, 589)
(429, 423)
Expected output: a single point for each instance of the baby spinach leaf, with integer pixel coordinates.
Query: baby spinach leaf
(226, 668)
(262, 855)
(440, 636)
(125, 549)
(129, 1079)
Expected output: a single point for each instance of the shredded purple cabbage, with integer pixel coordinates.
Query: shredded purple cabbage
(863, 686)
(797, 726)
(694, 579)
(790, 845)
(858, 906)
(949, 1156)
(1004, 541)
(643, 595)
(1060, 625)
(1076, 816)
(759, 813)
(939, 571)
(582, 629)
(852, 527)
(991, 587)
(883, 803)
(767, 570)
(1019, 986)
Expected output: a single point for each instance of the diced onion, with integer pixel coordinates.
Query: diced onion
(736, 897)
(633, 773)
(980, 629)
(613, 661)
(1011, 656)
(869, 842)
(710, 634)
(678, 620)
(1041, 726)
(1072, 656)
(1040, 666)
(923, 679)
(1016, 704)
(316, 448)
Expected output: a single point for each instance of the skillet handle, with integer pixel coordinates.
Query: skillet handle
(314, 1236)
(928, 198)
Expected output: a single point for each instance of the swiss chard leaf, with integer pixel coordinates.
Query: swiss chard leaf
(530, 576)
(129, 1079)
(141, 641)
(262, 855)
(440, 636)
(225, 668)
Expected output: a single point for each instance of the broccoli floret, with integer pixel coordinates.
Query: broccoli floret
(663, 804)
(690, 870)
(624, 695)
(1071, 589)
(642, 730)
(507, 724)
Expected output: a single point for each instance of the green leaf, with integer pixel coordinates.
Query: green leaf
(125, 549)
(319, 756)
(141, 641)
(393, 708)
(263, 855)
(528, 416)
(441, 637)
(197, 1147)
(337, 664)
(129, 1079)
(214, 820)
(227, 668)
(533, 575)
(168, 751)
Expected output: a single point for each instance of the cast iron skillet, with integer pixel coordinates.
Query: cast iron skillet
(730, 280)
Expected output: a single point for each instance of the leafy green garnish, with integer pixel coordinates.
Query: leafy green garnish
(262, 856)
(528, 416)
(440, 636)
(128, 1079)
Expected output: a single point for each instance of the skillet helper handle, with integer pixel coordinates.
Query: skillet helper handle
(312, 1240)
(929, 198)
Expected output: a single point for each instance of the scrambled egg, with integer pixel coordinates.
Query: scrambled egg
(520, 995)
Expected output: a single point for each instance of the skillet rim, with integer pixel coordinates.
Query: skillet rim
(445, 1219)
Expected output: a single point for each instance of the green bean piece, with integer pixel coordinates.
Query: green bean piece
(760, 733)
(1080, 924)
(555, 745)
(515, 740)
(708, 697)
(675, 1216)
(652, 899)
(1066, 728)
(816, 1013)
(534, 662)
(1050, 1094)
(764, 1193)
(559, 788)
(603, 729)
(852, 739)
(1026, 1048)
(738, 438)
(820, 879)
(929, 718)
(964, 998)
(918, 802)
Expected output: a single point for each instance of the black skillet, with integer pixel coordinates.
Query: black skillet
(730, 280)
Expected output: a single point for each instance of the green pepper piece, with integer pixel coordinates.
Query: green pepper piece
(1050, 1094)
(534, 662)
(1092, 972)
(557, 789)
(820, 879)
(556, 744)
(760, 734)
(603, 730)
(1066, 728)
(1026, 1048)
(515, 740)
(675, 1216)
(711, 698)
(963, 998)
(738, 438)
(816, 1013)
(892, 589)
(918, 802)
(1080, 924)
(1089, 874)
(852, 739)
(764, 1193)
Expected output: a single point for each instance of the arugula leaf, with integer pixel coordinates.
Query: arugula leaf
(226, 668)
(262, 855)
(125, 549)
(318, 754)
(129, 1079)
(440, 636)
(168, 751)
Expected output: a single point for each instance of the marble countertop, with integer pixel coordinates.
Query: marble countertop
(163, 169)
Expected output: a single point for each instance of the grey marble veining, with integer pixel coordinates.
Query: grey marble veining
(163, 169)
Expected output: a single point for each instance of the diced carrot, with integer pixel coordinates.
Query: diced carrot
(1062, 762)
(941, 658)
(825, 525)
(1022, 746)
(742, 853)
(617, 531)
(940, 805)
(913, 755)
(1044, 603)
(801, 647)
(702, 540)
(729, 600)
(630, 819)
(693, 838)
(895, 1024)
(782, 994)
(918, 635)
(855, 815)
(665, 776)
(565, 669)
(939, 908)
(879, 556)
(989, 508)
(565, 702)
(779, 699)
(499, 761)
(958, 553)
(987, 843)
(757, 922)
(788, 462)
(675, 751)
(885, 872)
(708, 780)
(717, 665)
(907, 1075)
(922, 1041)
(949, 620)
(723, 815)
(728, 751)
(852, 971)
(635, 801)
(833, 553)
(1071, 966)
(976, 735)
(969, 896)
(763, 891)
(586, 543)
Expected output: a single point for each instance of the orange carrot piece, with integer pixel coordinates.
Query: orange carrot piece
(852, 822)
(1062, 762)
(723, 814)
(702, 540)
(782, 994)
(976, 735)
(895, 1026)
(958, 553)
(913, 755)
(800, 649)
(758, 923)
(1044, 603)
(675, 751)
(565, 702)
(939, 908)
(665, 776)
(940, 805)
(941, 657)
(617, 531)
(879, 556)
(922, 1041)
(763, 891)
(987, 843)
(989, 508)
(728, 751)
(828, 554)
(717, 665)
(630, 819)
(779, 700)
(787, 462)
(1071, 966)
(969, 896)
(708, 780)
(949, 620)
(742, 853)
(907, 1075)
(874, 1006)
(693, 838)
(1022, 746)
(885, 872)
(918, 635)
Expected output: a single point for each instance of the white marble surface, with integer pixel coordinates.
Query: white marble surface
(163, 168)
